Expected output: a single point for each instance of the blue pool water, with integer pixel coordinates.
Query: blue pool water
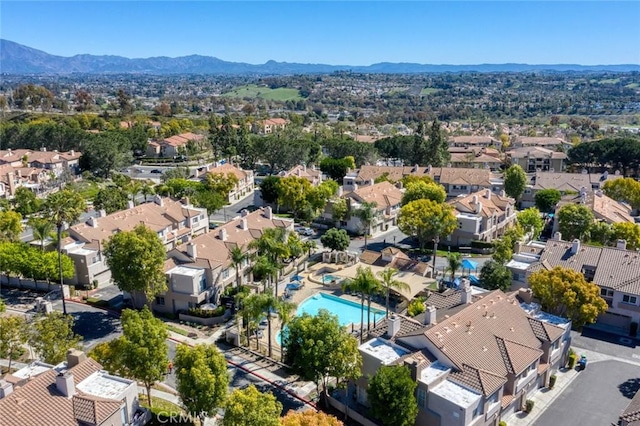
(347, 311)
(326, 279)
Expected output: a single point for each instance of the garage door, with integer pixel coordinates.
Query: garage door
(615, 320)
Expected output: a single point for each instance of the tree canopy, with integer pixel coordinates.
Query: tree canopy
(335, 239)
(530, 220)
(421, 190)
(426, 220)
(565, 292)
(391, 395)
(625, 189)
(575, 220)
(546, 199)
(309, 418)
(52, 335)
(494, 275)
(630, 232)
(250, 407)
(515, 181)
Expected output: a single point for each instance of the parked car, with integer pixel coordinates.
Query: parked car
(155, 171)
(303, 230)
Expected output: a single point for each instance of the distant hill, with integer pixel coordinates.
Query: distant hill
(18, 59)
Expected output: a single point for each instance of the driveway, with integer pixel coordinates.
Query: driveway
(596, 397)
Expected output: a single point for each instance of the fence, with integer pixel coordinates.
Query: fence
(30, 284)
(352, 413)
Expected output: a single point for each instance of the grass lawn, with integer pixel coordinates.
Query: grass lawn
(610, 81)
(428, 91)
(87, 189)
(254, 91)
(163, 410)
(632, 85)
(178, 330)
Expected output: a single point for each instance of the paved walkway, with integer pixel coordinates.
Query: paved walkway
(545, 397)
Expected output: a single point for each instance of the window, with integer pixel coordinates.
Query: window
(555, 345)
(225, 273)
(493, 398)
(422, 398)
(632, 300)
(94, 259)
(589, 273)
(479, 410)
(605, 292)
(203, 283)
(160, 300)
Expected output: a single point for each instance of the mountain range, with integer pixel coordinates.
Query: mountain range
(19, 59)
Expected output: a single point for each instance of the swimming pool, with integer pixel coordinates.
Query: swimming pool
(327, 279)
(347, 311)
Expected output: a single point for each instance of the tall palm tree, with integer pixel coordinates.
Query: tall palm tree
(387, 282)
(146, 190)
(366, 284)
(454, 261)
(367, 215)
(296, 248)
(263, 267)
(286, 311)
(42, 229)
(269, 304)
(134, 188)
(309, 246)
(272, 244)
(63, 207)
(238, 257)
(250, 312)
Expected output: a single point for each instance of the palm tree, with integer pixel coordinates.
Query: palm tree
(263, 267)
(388, 283)
(134, 188)
(269, 304)
(286, 311)
(296, 248)
(146, 190)
(309, 246)
(42, 230)
(454, 263)
(63, 207)
(250, 313)
(366, 284)
(367, 215)
(238, 257)
(272, 244)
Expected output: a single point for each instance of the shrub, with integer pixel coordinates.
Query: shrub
(481, 244)
(552, 381)
(207, 313)
(571, 359)
(416, 307)
(529, 405)
(502, 423)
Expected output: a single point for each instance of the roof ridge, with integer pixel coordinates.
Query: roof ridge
(505, 355)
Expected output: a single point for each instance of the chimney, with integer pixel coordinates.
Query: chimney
(304, 167)
(399, 184)
(102, 213)
(6, 389)
(503, 193)
(429, 168)
(72, 152)
(393, 325)
(430, 315)
(487, 194)
(622, 244)
(268, 213)
(598, 192)
(223, 234)
(557, 236)
(244, 213)
(575, 246)
(243, 224)
(75, 357)
(340, 191)
(525, 294)
(65, 384)
(93, 222)
(466, 293)
(371, 182)
(192, 251)
(414, 368)
(11, 177)
(478, 207)
(43, 149)
(130, 204)
(158, 200)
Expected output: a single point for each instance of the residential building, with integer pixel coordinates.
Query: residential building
(475, 158)
(456, 181)
(198, 271)
(541, 141)
(474, 141)
(175, 223)
(631, 415)
(482, 216)
(313, 175)
(387, 198)
(474, 363)
(533, 159)
(615, 270)
(268, 126)
(174, 145)
(76, 392)
(12, 178)
(245, 185)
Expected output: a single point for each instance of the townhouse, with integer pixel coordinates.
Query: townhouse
(313, 175)
(76, 392)
(475, 158)
(245, 185)
(615, 270)
(198, 271)
(456, 181)
(268, 126)
(482, 216)
(174, 145)
(475, 362)
(541, 141)
(387, 198)
(474, 142)
(175, 223)
(535, 158)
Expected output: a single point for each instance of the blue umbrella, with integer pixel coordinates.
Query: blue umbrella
(469, 264)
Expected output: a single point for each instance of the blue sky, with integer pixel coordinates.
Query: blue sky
(334, 32)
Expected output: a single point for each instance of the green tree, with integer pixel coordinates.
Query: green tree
(630, 232)
(52, 335)
(566, 293)
(144, 347)
(109, 151)
(269, 189)
(438, 148)
(10, 225)
(221, 183)
(340, 210)
(286, 311)
(454, 262)
(367, 213)
(250, 407)
(272, 244)
(238, 257)
(110, 356)
(623, 189)
(309, 418)
(292, 194)
(531, 220)
(575, 220)
(111, 199)
(494, 275)
(515, 181)
(42, 230)
(600, 233)
(336, 168)
(63, 207)
(391, 394)
(365, 283)
(421, 190)
(13, 334)
(146, 190)
(547, 199)
(201, 376)
(251, 312)
(136, 259)
(335, 239)
(337, 357)
(26, 202)
(387, 282)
